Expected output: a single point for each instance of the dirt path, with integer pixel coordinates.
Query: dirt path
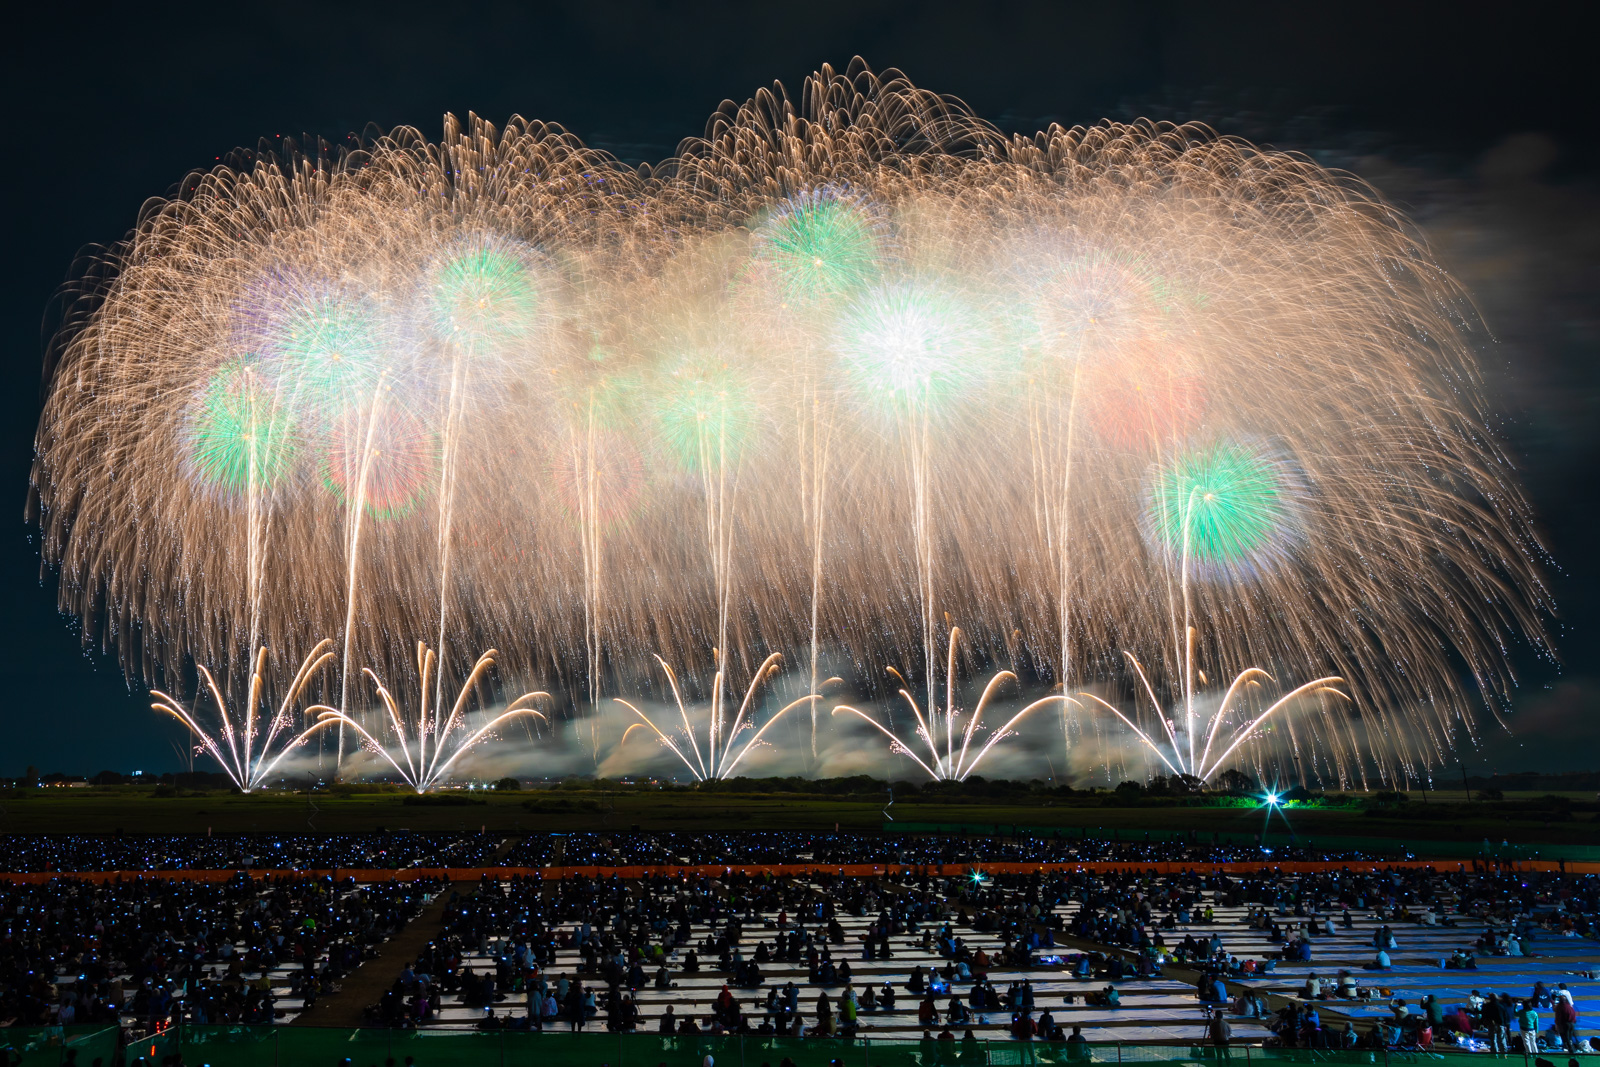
(368, 982)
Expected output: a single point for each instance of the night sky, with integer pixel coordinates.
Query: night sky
(1480, 123)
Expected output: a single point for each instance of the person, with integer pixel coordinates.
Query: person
(1528, 1026)
(1220, 1033)
(1493, 1017)
(1434, 1011)
(1566, 1020)
(574, 1006)
(1380, 962)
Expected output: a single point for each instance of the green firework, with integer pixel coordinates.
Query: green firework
(484, 295)
(821, 246)
(331, 351)
(705, 417)
(912, 346)
(241, 437)
(1226, 504)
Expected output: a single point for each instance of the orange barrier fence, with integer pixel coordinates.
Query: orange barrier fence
(785, 870)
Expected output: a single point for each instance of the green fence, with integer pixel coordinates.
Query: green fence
(295, 1046)
(48, 1046)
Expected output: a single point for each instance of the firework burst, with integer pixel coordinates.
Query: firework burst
(851, 362)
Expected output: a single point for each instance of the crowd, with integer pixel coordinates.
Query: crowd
(619, 941)
(149, 953)
(1005, 845)
(231, 852)
(1288, 915)
(308, 851)
(821, 954)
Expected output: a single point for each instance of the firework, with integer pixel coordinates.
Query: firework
(724, 748)
(425, 744)
(954, 759)
(852, 363)
(248, 748)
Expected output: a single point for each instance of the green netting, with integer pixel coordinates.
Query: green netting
(47, 1046)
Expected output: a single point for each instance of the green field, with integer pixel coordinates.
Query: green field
(1438, 816)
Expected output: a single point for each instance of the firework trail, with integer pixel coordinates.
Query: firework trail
(1138, 405)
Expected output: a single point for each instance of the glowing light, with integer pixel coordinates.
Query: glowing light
(610, 469)
(705, 415)
(329, 351)
(389, 457)
(424, 741)
(485, 293)
(1092, 302)
(822, 244)
(1225, 504)
(1145, 399)
(242, 437)
(911, 345)
(247, 745)
(722, 752)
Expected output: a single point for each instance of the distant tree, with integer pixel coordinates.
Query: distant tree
(1234, 780)
(107, 778)
(510, 785)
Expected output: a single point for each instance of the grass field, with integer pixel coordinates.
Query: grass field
(1441, 816)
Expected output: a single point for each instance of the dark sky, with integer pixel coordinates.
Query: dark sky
(1481, 122)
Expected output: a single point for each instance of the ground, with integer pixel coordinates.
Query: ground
(1441, 816)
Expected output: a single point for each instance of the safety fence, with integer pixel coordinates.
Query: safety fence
(49, 1046)
(293, 1046)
